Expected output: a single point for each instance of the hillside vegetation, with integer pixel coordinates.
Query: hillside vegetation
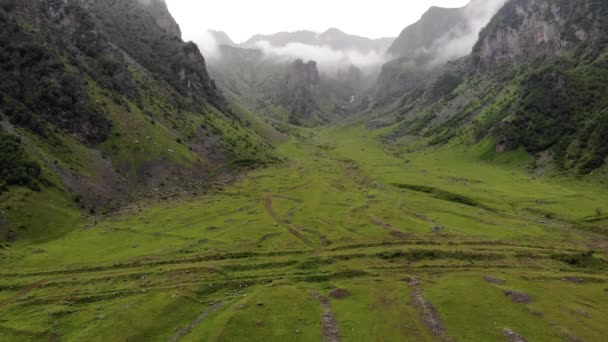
(460, 201)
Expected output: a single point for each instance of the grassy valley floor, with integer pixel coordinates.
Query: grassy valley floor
(347, 240)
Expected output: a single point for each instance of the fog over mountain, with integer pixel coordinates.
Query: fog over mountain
(441, 35)
(333, 50)
(444, 34)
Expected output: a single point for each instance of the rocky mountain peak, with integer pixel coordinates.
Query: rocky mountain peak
(164, 19)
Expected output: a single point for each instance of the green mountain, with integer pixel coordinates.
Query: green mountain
(150, 194)
(102, 102)
(535, 79)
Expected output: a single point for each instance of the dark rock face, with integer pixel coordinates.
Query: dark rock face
(160, 12)
(37, 87)
(192, 73)
(300, 90)
(527, 29)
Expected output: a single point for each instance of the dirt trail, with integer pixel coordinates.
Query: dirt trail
(331, 332)
(198, 320)
(428, 313)
(293, 231)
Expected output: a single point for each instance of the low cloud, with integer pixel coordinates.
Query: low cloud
(208, 45)
(459, 42)
(329, 60)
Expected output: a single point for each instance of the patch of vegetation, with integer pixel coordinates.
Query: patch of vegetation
(583, 260)
(439, 194)
(15, 166)
(418, 255)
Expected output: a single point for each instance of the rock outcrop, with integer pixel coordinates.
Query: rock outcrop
(524, 30)
(299, 90)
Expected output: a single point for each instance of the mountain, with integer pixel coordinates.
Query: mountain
(290, 88)
(443, 34)
(222, 38)
(101, 103)
(425, 49)
(425, 34)
(333, 38)
(282, 90)
(537, 79)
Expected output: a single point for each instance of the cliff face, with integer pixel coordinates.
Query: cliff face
(299, 91)
(527, 29)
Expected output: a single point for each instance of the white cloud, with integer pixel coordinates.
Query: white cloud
(328, 59)
(207, 44)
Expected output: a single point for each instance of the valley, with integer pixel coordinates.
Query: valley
(160, 182)
(414, 241)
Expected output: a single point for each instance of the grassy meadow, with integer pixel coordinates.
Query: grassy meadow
(439, 244)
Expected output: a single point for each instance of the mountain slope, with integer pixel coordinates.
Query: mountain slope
(536, 79)
(102, 102)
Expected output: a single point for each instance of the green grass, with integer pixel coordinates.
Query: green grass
(329, 217)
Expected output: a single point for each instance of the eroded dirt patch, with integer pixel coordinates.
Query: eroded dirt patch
(518, 297)
(512, 336)
(493, 280)
(339, 293)
(331, 332)
(426, 310)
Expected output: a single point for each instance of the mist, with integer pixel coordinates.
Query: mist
(208, 45)
(329, 61)
(460, 41)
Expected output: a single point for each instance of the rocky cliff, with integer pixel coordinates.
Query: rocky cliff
(299, 91)
(525, 30)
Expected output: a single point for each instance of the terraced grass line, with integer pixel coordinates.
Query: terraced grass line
(198, 320)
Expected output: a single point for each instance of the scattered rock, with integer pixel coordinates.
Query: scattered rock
(518, 297)
(260, 304)
(512, 336)
(437, 229)
(412, 281)
(493, 280)
(574, 280)
(339, 293)
(258, 323)
(298, 331)
(212, 228)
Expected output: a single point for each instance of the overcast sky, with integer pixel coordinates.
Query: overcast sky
(243, 18)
